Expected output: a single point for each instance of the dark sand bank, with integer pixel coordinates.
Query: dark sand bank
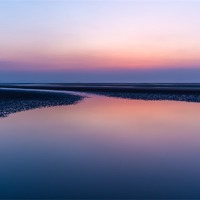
(151, 96)
(171, 91)
(12, 101)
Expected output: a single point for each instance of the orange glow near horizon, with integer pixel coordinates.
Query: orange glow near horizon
(99, 35)
(110, 60)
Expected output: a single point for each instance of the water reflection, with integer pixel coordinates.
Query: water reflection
(102, 148)
(12, 101)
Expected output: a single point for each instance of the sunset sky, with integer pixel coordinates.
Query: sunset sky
(100, 41)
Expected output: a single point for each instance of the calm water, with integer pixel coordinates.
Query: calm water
(102, 147)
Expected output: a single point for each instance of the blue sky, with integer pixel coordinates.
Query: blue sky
(102, 41)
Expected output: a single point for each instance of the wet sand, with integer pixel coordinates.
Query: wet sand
(12, 101)
(189, 92)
